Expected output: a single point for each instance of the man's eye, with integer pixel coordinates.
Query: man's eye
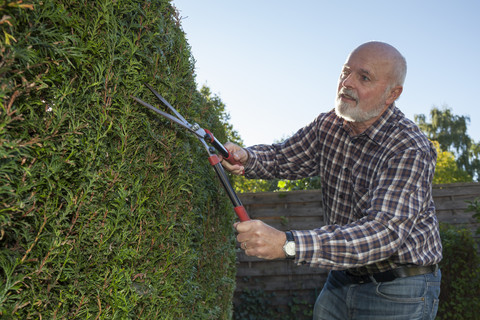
(365, 78)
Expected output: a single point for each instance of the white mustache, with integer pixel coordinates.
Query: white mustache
(349, 93)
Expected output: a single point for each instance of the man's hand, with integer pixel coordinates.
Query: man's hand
(260, 240)
(239, 154)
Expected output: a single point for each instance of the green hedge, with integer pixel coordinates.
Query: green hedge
(107, 211)
(460, 289)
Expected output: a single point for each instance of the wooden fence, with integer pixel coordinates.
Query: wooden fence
(299, 210)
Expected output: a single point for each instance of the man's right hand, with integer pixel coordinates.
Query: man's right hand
(239, 154)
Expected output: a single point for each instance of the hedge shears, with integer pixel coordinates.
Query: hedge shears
(206, 138)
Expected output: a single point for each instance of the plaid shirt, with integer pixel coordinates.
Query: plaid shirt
(376, 189)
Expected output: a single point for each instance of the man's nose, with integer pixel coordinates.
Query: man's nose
(347, 81)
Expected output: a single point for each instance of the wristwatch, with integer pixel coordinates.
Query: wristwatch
(289, 246)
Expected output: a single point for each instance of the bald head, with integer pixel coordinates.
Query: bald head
(383, 52)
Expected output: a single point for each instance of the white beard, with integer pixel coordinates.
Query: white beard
(355, 113)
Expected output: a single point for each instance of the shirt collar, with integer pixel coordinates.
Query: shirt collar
(378, 131)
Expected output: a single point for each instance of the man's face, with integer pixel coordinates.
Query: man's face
(364, 86)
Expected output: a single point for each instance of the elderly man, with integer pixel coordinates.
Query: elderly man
(381, 242)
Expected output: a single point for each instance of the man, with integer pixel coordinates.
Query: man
(381, 242)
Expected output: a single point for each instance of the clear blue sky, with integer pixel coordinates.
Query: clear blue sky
(275, 64)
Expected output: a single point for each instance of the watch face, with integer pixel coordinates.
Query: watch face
(290, 248)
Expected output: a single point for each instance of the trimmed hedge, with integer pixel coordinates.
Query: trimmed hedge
(460, 289)
(107, 211)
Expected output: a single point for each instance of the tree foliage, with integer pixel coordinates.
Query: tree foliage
(450, 131)
(259, 185)
(447, 170)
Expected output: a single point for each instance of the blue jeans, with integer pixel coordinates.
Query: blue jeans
(411, 298)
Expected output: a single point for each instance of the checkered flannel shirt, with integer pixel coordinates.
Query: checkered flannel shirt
(376, 192)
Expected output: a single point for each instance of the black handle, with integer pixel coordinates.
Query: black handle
(238, 206)
(210, 138)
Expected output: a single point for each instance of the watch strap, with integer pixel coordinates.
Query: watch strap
(290, 238)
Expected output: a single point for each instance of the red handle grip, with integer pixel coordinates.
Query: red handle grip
(242, 213)
(224, 152)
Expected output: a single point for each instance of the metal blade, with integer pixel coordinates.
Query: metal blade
(166, 115)
(165, 102)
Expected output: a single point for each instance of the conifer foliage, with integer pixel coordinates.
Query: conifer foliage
(106, 210)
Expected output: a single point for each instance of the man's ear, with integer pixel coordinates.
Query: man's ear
(394, 94)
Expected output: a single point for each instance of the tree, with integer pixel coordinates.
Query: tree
(450, 131)
(447, 170)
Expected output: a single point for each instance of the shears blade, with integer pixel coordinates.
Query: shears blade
(165, 102)
(185, 124)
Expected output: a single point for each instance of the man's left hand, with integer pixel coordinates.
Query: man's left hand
(260, 240)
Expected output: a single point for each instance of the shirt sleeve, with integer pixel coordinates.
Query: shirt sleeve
(398, 199)
(295, 158)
